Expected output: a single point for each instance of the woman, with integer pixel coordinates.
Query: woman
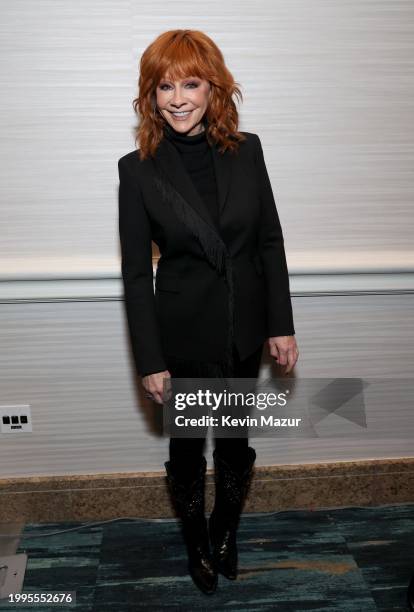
(199, 189)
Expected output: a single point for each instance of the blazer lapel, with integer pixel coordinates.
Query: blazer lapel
(222, 166)
(171, 163)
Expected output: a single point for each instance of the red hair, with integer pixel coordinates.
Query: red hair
(180, 54)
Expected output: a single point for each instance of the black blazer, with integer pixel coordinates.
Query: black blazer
(214, 286)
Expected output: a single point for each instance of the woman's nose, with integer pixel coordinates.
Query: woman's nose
(177, 97)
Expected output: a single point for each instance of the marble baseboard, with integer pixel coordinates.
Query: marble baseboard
(281, 487)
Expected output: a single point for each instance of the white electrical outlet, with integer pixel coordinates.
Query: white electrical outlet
(15, 419)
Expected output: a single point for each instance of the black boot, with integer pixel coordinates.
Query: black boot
(231, 490)
(188, 499)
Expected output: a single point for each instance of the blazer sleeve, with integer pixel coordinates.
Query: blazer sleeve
(137, 276)
(272, 251)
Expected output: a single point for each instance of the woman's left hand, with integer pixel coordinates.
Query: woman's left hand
(284, 350)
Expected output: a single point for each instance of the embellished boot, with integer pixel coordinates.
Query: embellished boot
(231, 490)
(188, 499)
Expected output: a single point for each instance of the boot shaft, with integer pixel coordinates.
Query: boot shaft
(188, 495)
(232, 485)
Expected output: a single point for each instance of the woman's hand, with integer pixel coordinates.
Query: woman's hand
(154, 386)
(285, 351)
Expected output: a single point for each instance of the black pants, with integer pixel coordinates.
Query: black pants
(186, 453)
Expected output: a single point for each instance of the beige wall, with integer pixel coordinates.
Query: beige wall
(326, 85)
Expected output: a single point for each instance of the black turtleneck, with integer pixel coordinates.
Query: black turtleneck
(197, 157)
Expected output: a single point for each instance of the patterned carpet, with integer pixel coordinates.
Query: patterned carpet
(354, 559)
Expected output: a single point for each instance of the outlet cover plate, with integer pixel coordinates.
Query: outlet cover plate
(15, 419)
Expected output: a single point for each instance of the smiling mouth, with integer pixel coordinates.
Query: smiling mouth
(180, 114)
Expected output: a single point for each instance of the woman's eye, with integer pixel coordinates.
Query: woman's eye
(191, 84)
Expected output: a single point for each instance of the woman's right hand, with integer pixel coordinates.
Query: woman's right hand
(154, 386)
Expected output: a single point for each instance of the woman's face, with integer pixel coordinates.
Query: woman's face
(183, 103)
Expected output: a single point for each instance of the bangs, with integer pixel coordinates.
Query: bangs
(180, 60)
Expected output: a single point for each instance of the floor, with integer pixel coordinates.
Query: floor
(348, 559)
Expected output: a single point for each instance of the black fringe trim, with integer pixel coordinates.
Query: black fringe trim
(216, 253)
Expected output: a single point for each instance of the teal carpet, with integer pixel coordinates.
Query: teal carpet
(348, 560)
